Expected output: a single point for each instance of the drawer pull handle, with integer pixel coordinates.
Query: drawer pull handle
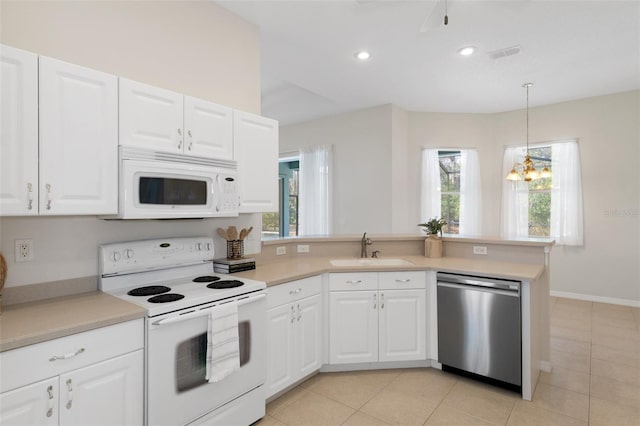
(66, 356)
(50, 401)
(295, 291)
(404, 281)
(69, 394)
(353, 281)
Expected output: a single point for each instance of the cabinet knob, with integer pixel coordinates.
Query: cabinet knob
(49, 196)
(375, 301)
(179, 138)
(29, 196)
(69, 394)
(190, 140)
(50, 401)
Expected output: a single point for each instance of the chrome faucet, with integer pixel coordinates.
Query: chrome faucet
(364, 242)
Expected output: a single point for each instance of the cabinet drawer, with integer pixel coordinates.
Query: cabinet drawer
(294, 290)
(400, 280)
(346, 281)
(34, 362)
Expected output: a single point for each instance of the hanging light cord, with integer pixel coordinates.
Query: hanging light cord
(527, 85)
(446, 17)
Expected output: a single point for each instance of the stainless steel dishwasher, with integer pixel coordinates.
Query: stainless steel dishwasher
(479, 327)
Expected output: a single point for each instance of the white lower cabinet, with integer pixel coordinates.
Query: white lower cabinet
(294, 332)
(86, 383)
(377, 317)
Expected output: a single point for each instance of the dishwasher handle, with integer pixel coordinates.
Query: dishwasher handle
(484, 289)
(496, 283)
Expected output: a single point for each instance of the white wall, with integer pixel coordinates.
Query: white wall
(608, 129)
(192, 47)
(362, 168)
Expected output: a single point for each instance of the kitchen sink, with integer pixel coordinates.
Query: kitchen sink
(370, 262)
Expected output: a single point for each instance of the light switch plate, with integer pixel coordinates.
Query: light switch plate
(303, 248)
(281, 250)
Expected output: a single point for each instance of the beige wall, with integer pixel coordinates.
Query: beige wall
(192, 47)
(608, 130)
(362, 167)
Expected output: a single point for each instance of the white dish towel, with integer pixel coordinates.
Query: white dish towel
(223, 343)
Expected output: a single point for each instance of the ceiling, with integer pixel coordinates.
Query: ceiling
(568, 49)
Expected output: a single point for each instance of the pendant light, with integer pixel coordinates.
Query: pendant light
(528, 172)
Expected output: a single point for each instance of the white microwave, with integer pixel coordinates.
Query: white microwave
(159, 185)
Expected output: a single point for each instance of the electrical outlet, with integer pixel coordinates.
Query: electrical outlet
(303, 248)
(479, 250)
(24, 250)
(281, 250)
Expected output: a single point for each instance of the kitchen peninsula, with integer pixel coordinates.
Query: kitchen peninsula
(310, 263)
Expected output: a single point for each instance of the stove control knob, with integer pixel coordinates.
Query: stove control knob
(208, 246)
(198, 246)
(115, 256)
(128, 253)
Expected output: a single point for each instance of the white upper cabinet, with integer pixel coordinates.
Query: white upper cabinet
(255, 144)
(208, 129)
(150, 117)
(19, 127)
(162, 120)
(78, 150)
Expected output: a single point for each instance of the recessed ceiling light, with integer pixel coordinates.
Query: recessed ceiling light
(362, 55)
(467, 51)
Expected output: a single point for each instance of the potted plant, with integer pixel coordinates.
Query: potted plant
(433, 243)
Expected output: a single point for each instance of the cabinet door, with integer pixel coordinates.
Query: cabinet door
(208, 129)
(255, 145)
(280, 362)
(150, 117)
(107, 393)
(78, 140)
(19, 132)
(308, 335)
(402, 325)
(35, 404)
(353, 326)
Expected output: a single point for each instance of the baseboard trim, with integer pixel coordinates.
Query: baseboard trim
(592, 298)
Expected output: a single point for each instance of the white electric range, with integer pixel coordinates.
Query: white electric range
(173, 280)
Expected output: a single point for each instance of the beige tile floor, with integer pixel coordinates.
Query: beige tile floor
(595, 350)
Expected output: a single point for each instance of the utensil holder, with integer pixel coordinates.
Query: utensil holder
(235, 249)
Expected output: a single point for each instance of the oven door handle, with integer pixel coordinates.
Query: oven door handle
(205, 311)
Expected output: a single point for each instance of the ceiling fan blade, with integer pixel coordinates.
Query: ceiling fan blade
(435, 18)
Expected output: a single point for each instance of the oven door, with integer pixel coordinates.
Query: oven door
(176, 390)
(163, 190)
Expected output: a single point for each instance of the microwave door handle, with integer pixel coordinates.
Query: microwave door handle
(218, 192)
(205, 311)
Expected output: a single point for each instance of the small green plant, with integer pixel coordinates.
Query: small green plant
(433, 226)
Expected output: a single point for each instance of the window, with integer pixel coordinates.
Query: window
(284, 222)
(449, 162)
(451, 189)
(547, 207)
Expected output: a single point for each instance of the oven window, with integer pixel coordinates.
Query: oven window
(158, 190)
(191, 358)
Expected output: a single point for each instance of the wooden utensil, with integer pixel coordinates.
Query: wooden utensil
(232, 233)
(243, 234)
(249, 231)
(222, 233)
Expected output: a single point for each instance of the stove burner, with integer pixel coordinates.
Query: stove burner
(205, 279)
(164, 298)
(225, 284)
(149, 290)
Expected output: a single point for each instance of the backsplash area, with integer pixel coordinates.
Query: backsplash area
(66, 247)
